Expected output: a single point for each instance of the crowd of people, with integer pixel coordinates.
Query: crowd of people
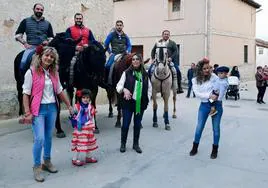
(42, 88)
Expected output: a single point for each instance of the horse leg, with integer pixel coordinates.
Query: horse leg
(174, 105)
(20, 99)
(119, 112)
(93, 103)
(60, 133)
(155, 124)
(110, 96)
(70, 92)
(166, 120)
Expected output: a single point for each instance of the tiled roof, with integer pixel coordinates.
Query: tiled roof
(262, 43)
(252, 3)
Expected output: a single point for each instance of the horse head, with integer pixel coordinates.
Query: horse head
(161, 60)
(89, 68)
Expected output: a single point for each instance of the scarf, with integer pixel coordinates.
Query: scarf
(138, 90)
(83, 116)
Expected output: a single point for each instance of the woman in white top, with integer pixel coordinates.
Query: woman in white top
(202, 87)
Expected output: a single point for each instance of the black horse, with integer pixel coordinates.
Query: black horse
(87, 71)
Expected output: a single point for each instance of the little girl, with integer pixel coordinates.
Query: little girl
(83, 140)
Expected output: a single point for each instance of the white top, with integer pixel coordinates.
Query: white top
(204, 90)
(121, 83)
(48, 93)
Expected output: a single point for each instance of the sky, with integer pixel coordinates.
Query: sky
(262, 20)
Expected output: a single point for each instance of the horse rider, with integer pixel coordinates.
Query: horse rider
(172, 50)
(79, 31)
(38, 31)
(120, 44)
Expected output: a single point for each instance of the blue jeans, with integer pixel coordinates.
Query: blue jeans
(27, 55)
(110, 61)
(203, 114)
(42, 127)
(127, 115)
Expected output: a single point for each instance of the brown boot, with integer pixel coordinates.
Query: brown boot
(48, 166)
(37, 174)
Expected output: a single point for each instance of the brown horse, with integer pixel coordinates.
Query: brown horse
(161, 80)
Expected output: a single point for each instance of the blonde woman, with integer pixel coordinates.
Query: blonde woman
(40, 90)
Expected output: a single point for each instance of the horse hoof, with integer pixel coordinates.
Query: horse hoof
(167, 127)
(118, 125)
(174, 116)
(110, 115)
(96, 131)
(155, 125)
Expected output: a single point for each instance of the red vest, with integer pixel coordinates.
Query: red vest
(38, 85)
(77, 32)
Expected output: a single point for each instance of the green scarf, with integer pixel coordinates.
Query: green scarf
(138, 89)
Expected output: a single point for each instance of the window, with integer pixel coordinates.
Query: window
(245, 53)
(260, 50)
(176, 5)
(174, 9)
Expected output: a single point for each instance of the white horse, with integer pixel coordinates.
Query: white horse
(162, 83)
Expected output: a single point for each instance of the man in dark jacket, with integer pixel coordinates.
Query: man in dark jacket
(172, 57)
(38, 31)
(190, 75)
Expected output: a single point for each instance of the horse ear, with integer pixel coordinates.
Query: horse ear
(146, 61)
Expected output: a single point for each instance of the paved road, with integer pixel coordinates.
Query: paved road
(242, 160)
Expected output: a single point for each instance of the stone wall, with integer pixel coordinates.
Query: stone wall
(98, 15)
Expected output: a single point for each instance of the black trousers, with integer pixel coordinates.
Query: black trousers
(261, 92)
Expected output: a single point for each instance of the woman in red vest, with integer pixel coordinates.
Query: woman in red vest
(40, 90)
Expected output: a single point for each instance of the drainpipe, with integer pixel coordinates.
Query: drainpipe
(207, 28)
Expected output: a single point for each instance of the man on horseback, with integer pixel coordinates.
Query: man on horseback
(38, 31)
(120, 44)
(79, 31)
(172, 50)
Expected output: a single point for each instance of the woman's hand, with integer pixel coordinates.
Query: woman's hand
(28, 118)
(71, 111)
(127, 94)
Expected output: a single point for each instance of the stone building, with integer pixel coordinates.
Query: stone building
(223, 30)
(97, 15)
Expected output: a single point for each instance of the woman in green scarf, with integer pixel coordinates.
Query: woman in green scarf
(135, 88)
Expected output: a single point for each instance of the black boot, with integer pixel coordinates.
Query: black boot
(136, 137)
(124, 132)
(179, 90)
(194, 149)
(214, 152)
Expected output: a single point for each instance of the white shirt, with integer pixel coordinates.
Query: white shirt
(48, 93)
(204, 90)
(121, 83)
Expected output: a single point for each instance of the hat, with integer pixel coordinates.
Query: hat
(222, 69)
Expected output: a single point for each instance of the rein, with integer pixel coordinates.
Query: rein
(161, 82)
